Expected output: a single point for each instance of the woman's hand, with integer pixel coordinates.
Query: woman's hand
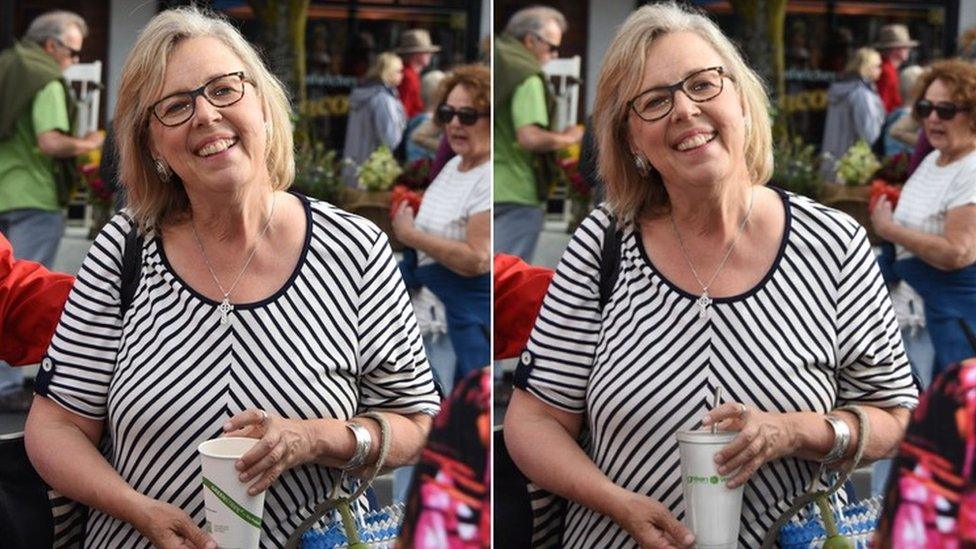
(882, 217)
(762, 437)
(650, 523)
(284, 443)
(403, 223)
(168, 527)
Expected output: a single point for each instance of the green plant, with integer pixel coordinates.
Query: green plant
(858, 165)
(379, 171)
(795, 167)
(318, 173)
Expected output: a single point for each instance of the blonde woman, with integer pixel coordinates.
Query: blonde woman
(256, 312)
(376, 115)
(854, 110)
(721, 282)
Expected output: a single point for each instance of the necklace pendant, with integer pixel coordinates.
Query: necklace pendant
(225, 308)
(703, 303)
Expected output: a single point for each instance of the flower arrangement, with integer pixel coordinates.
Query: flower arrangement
(416, 175)
(379, 171)
(858, 165)
(318, 173)
(795, 167)
(98, 192)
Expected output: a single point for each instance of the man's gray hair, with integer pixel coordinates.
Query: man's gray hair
(532, 19)
(53, 24)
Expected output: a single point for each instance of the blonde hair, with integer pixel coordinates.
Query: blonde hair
(151, 200)
(861, 62)
(629, 194)
(383, 68)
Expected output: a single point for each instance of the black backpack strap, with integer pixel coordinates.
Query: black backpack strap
(131, 267)
(609, 258)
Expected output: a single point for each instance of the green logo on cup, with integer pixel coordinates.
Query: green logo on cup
(714, 479)
(238, 510)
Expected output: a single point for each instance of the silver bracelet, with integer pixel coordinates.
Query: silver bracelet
(364, 441)
(842, 439)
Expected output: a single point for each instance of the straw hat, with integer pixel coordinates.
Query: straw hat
(894, 36)
(416, 41)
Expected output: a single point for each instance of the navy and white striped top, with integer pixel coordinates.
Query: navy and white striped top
(817, 332)
(339, 338)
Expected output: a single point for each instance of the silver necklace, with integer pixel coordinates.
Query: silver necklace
(225, 308)
(705, 301)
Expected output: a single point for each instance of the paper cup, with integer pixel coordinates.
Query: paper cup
(234, 516)
(712, 511)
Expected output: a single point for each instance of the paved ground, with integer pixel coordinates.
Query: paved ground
(72, 252)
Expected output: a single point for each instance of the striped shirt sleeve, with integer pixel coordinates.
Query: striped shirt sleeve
(873, 368)
(81, 359)
(395, 375)
(556, 364)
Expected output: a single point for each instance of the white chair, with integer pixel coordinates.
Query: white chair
(564, 77)
(85, 80)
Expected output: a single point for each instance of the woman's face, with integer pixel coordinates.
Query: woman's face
(947, 136)
(217, 149)
(696, 144)
(395, 74)
(467, 141)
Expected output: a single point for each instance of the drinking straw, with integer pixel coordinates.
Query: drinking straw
(715, 403)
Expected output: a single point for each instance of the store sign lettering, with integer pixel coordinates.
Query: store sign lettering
(330, 105)
(811, 100)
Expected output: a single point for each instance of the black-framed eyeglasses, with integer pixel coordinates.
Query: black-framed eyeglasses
(466, 115)
(75, 54)
(700, 86)
(553, 48)
(943, 109)
(222, 91)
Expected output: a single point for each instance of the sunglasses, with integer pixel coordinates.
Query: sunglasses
(553, 48)
(943, 109)
(75, 54)
(466, 115)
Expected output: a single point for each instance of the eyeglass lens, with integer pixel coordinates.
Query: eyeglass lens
(466, 115)
(656, 103)
(944, 110)
(222, 91)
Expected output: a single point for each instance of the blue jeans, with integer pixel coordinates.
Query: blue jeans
(34, 235)
(517, 229)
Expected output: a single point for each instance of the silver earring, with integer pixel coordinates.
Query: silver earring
(643, 167)
(163, 170)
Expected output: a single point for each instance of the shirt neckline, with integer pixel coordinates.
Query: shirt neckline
(306, 205)
(788, 222)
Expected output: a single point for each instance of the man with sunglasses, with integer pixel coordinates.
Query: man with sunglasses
(524, 163)
(37, 150)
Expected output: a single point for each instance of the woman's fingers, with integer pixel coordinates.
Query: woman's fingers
(271, 458)
(258, 452)
(733, 411)
(733, 458)
(246, 418)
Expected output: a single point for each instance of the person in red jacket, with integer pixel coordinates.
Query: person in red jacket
(895, 46)
(416, 50)
(31, 299)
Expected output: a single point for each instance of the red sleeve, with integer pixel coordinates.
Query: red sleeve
(31, 299)
(410, 93)
(888, 87)
(519, 290)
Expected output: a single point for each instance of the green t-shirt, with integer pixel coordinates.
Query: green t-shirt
(26, 174)
(514, 182)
